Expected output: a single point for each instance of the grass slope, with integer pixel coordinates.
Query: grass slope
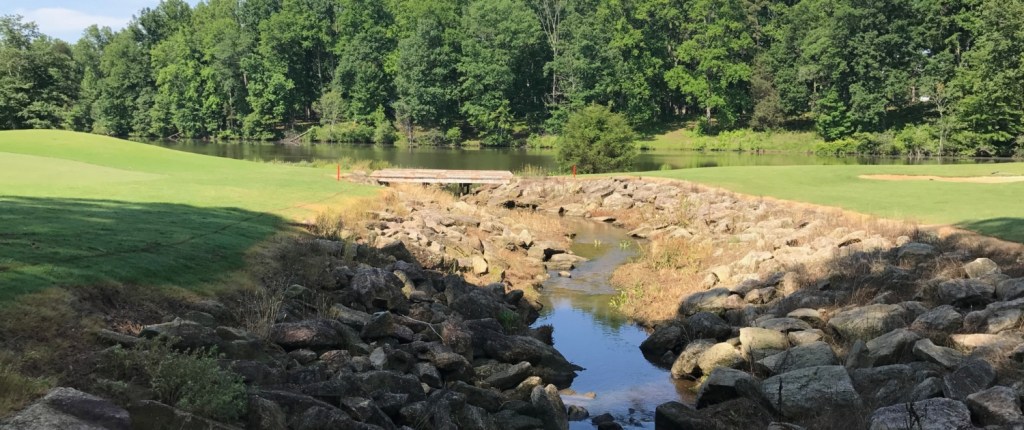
(991, 209)
(80, 209)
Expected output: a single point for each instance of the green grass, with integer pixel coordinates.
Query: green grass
(736, 140)
(991, 209)
(78, 209)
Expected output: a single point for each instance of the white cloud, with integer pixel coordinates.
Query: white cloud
(68, 24)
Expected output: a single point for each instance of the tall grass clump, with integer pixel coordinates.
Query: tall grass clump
(191, 380)
(663, 272)
(17, 389)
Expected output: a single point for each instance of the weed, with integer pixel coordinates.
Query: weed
(17, 389)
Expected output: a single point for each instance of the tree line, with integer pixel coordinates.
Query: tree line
(916, 76)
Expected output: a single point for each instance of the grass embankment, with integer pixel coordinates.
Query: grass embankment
(735, 140)
(79, 209)
(990, 209)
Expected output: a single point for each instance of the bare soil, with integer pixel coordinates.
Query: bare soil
(962, 179)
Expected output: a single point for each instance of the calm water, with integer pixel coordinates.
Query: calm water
(505, 158)
(591, 334)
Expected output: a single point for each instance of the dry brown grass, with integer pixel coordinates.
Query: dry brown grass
(16, 389)
(664, 272)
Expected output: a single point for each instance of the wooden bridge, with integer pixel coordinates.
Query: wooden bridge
(463, 178)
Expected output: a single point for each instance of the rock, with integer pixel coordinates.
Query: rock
(719, 355)
(349, 316)
(949, 358)
(706, 325)
(1010, 289)
(741, 413)
(714, 300)
(810, 355)
(549, 407)
(913, 253)
(981, 268)
(312, 334)
(151, 415)
(479, 265)
(318, 418)
(811, 391)
(189, 334)
(810, 316)
(428, 374)
(758, 343)
(489, 400)
(805, 337)
(509, 378)
(868, 322)
(978, 341)
(970, 377)
(724, 384)
(548, 363)
(265, 415)
(685, 365)
(961, 292)
(513, 421)
(617, 201)
(884, 385)
(379, 289)
(68, 408)
(385, 324)
(892, 347)
(931, 414)
(578, 413)
(665, 338)
(943, 320)
(996, 406)
(930, 388)
(677, 416)
(784, 325)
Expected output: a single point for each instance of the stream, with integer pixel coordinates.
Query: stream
(590, 333)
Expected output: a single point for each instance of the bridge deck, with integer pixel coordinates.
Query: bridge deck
(442, 176)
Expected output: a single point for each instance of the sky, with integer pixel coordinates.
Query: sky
(66, 19)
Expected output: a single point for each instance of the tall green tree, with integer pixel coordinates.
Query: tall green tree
(364, 47)
(426, 75)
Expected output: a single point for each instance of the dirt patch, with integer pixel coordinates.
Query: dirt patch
(963, 179)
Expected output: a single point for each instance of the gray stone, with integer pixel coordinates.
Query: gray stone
(931, 414)
(949, 358)
(511, 376)
(970, 377)
(884, 385)
(914, 253)
(981, 268)
(943, 319)
(810, 355)
(665, 338)
(549, 407)
(805, 337)
(385, 324)
(996, 406)
(312, 334)
(784, 325)
(714, 300)
(930, 388)
(379, 290)
(188, 334)
(68, 408)
(723, 384)
(961, 292)
(891, 347)
(479, 265)
(758, 343)
(868, 322)
(811, 316)
(1010, 289)
(706, 325)
(811, 391)
(578, 413)
(352, 317)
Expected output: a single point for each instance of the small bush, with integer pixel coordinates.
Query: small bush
(597, 140)
(346, 132)
(191, 381)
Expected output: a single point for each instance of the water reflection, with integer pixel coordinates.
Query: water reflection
(590, 333)
(509, 158)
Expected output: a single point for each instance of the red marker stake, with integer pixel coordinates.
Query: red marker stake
(574, 171)
(339, 173)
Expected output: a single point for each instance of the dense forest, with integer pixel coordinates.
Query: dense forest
(912, 76)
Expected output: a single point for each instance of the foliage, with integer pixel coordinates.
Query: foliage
(191, 380)
(597, 140)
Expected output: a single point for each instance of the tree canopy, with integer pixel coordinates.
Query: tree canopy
(945, 72)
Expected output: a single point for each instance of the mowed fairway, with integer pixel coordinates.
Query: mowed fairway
(79, 209)
(991, 209)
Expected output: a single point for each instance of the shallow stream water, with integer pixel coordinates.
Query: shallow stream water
(590, 333)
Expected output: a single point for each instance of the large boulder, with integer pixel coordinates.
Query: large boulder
(721, 354)
(549, 407)
(811, 391)
(996, 406)
(724, 384)
(970, 377)
(891, 347)
(379, 290)
(931, 414)
(547, 362)
(868, 322)
(685, 365)
(68, 408)
(960, 292)
(941, 320)
(715, 300)
(980, 268)
(311, 334)
(186, 334)
(668, 337)
(884, 385)
(949, 358)
(810, 355)
(758, 343)
(706, 325)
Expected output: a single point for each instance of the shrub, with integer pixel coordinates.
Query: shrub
(539, 141)
(597, 140)
(191, 381)
(916, 140)
(346, 132)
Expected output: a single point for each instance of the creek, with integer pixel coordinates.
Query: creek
(591, 333)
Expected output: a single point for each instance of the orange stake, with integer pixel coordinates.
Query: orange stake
(574, 171)
(339, 173)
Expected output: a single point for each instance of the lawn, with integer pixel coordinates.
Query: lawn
(79, 209)
(991, 209)
(687, 139)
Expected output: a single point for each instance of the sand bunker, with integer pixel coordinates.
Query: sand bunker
(968, 179)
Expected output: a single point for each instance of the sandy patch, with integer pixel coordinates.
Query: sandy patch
(968, 179)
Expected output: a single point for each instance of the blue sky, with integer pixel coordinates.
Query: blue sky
(65, 19)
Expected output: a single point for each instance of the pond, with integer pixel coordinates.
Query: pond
(616, 379)
(509, 158)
